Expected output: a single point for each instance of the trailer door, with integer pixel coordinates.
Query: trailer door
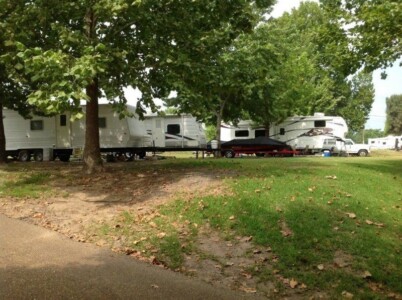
(157, 133)
(63, 131)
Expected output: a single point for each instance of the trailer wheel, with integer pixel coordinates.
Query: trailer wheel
(24, 155)
(362, 153)
(38, 155)
(229, 154)
(64, 157)
(129, 156)
(110, 158)
(142, 154)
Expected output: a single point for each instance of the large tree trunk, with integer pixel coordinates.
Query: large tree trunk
(92, 155)
(267, 128)
(3, 155)
(218, 135)
(218, 127)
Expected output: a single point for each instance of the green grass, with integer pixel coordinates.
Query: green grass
(315, 197)
(26, 185)
(333, 206)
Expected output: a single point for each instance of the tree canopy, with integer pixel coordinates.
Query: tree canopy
(308, 70)
(393, 123)
(89, 49)
(374, 29)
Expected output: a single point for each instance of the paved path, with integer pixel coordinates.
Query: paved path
(39, 264)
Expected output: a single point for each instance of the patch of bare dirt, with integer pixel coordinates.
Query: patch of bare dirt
(80, 201)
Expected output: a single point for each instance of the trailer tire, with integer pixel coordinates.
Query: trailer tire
(38, 155)
(64, 157)
(142, 154)
(24, 155)
(362, 153)
(129, 156)
(229, 154)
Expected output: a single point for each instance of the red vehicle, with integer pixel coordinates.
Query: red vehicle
(260, 146)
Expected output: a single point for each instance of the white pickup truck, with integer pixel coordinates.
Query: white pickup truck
(356, 149)
(346, 146)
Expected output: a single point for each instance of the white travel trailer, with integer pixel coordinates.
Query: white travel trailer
(300, 132)
(113, 133)
(58, 136)
(389, 142)
(173, 131)
(37, 137)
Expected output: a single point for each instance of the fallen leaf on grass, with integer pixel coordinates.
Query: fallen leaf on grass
(369, 222)
(351, 215)
(161, 235)
(293, 283)
(247, 238)
(286, 233)
(320, 267)
(247, 275)
(366, 275)
(231, 218)
(347, 295)
(153, 224)
(248, 290)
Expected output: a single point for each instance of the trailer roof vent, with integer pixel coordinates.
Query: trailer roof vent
(319, 114)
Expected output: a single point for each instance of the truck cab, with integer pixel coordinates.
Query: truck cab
(356, 149)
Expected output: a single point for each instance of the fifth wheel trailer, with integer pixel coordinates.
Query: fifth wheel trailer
(304, 133)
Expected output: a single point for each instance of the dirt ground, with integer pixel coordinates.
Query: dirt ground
(79, 201)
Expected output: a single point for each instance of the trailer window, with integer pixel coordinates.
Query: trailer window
(63, 120)
(241, 133)
(319, 123)
(260, 132)
(102, 122)
(37, 125)
(282, 131)
(173, 129)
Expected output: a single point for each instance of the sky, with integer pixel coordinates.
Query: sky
(383, 88)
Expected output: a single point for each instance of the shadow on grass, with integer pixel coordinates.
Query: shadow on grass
(392, 167)
(305, 235)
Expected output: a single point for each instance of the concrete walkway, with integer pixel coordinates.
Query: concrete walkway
(39, 264)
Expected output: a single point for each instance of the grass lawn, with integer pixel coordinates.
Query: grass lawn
(333, 224)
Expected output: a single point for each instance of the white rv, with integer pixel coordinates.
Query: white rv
(58, 136)
(173, 131)
(300, 132)
(36, 137)
(389, 142)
